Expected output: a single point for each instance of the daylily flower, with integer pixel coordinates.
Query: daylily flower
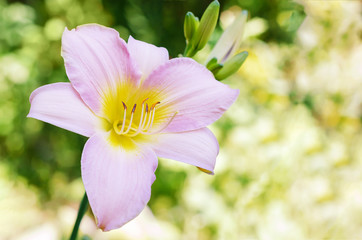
(135, 105)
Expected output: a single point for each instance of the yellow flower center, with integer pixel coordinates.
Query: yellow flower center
(133, 114)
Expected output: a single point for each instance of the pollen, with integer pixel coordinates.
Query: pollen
(138, 122)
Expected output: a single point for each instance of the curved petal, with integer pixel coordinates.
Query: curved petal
(147, 56)
(60, 104)
(117, 181)
(188, 89)
(96, 61)
(198, 148)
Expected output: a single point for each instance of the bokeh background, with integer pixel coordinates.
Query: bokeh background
(290, 163)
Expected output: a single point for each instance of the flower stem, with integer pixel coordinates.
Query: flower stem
(82, 209)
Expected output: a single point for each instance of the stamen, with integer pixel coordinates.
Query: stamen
(146, 116)
(140, 127)
(124, 117)
(130, 121)
(153, 115)
(141, 122)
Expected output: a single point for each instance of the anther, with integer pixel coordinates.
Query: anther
(154, 105)
(124, 106)
(134, 108)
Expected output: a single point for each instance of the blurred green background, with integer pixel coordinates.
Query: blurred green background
(290, 163)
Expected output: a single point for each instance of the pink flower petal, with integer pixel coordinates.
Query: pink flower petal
(60, 104)
(147, 56)
(198, 147)
(96, 61)
(188, 88)
(117, 181)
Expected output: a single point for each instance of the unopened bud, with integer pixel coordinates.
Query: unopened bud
(207, 25)
(190, 25)
(230, 40)
(213, 66)
(231, 66)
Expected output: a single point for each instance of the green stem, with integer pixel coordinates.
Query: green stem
(82, 209)
(189, 51)
(186, 49)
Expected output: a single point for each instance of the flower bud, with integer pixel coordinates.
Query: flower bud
(190, 25)
(231, 66)
(207, 25)
(230, 40)
(213, 66)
